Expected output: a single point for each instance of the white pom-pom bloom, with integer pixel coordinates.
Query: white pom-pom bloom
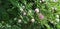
(32, 20)
(20, 7)
(40, 1)
(24, 13)
(37, 10)
(54, 8)
(57, 19)
(19, 21)
(55, 0)
(57, 16)
(43, 0)
(23, 7)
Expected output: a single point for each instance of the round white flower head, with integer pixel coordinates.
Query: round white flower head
(37, 10)
(55, 0)
(54, 8)
(57, 16)
(23, 7)
(43, 0)
(19, 21)
(40, 1)
(57, 19)
(24, 13)
(32, 20)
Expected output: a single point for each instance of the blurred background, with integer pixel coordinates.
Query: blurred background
(29, 14)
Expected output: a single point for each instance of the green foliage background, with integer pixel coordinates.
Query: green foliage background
(12, 9)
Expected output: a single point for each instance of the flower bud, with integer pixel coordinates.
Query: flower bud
(41, 16)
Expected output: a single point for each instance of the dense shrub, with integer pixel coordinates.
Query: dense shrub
(29, 14)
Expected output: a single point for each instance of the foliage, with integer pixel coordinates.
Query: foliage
(29, 14)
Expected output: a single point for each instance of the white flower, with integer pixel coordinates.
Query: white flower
(32, 20)
(19, 21)
(57, 19)
(37, 10)
(55, 0)
(43, 0)
(24, 13)
(57, 16)
(23, 7)
(54, 8)
(40, 1)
